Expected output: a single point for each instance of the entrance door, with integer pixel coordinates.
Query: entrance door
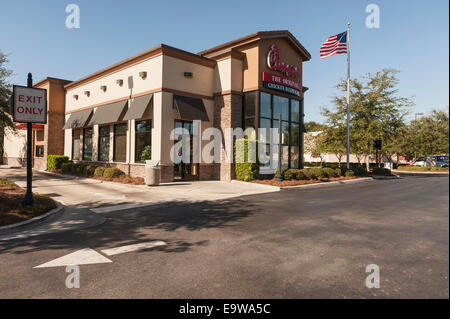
(186, 171)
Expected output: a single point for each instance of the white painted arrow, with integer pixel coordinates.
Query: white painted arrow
(84, 256)
(129, 248)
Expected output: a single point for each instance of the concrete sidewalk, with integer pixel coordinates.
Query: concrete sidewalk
(86, 200)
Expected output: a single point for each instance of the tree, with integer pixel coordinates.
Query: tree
(5, 94)
(335, 142)
(377, 112)
(427, 136)
(313, 126)
(315, 145)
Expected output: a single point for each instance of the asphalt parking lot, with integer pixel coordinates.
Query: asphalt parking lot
(302, 243)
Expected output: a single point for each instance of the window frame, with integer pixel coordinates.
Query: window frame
(114, 141)
(136, 133)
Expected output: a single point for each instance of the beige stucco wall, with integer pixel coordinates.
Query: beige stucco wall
(173, 76)
(15, 144)
(153, 67)
(228, 75)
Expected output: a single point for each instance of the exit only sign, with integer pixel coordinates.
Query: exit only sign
(29, 105)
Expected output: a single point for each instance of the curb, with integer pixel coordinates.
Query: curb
(325, 184)
(385, 177)
(262, 186)
(58, 208)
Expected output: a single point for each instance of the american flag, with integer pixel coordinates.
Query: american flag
(336, 44)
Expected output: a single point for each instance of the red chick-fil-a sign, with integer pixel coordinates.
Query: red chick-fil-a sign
(274, 63)
(29, 105)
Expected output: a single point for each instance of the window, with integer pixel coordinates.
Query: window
(271, 108)
(280, 107)
(120, 142)
(103, 143)
(250, 100)
(76, 144)
(143, 150)
(265, 106)
(87, 144)
(39, 151)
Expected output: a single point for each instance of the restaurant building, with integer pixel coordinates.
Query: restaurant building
(123, 115)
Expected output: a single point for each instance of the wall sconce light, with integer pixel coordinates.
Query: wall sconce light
(188, 74)
(143, 75)
(119, 82)
(103, 88)
(75, 96)
(87, 93)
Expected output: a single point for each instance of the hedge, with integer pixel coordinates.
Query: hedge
(113, 172)
(311, 173)
(99, 171)
(90, 170)
(421, 168)
(246, 171)
(56, 161)
(381, 171)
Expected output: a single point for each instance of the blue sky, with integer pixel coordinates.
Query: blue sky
(413, 37)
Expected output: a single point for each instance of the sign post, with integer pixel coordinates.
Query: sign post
(29, 106)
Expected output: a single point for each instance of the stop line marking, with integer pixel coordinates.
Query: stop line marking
(88, 256)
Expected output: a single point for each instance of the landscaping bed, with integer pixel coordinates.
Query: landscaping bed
(294, 177)
(11, 209)
(110, 174)
(422, 168)
(274, 182)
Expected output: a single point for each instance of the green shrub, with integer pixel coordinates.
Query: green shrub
(329, 172)
(290, 174)
(90, 169)
(318, 172)
(304, 174)
(113, 172)
(381, 171)
(56, 161)
(349, 173)
(80, 169)
(246, 171)
(338, 172)
(359, 170)
(99, 171)
(67, 167)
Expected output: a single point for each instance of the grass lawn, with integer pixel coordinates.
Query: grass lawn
(11, 209)
(422, 168)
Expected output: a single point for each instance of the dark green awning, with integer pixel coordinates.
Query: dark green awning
(78, 119)
(109, 113)
(190, 108)
(138, 107)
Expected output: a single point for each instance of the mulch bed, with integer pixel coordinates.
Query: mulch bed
(122, 180)
(11, 210)
(295, 182)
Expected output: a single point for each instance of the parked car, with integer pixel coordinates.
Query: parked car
(434, 160)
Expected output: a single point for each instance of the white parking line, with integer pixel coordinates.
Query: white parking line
(129, 248)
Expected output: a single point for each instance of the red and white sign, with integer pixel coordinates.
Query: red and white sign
(274, 63)
(29, 105)
(278, 79)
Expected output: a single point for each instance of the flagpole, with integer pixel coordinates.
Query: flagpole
(348, 95)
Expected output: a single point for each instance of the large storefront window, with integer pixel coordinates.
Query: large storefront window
(103, 143)
(143, 141)
(87, 144)
(120, 142)
(76, 144)
(271, 108)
